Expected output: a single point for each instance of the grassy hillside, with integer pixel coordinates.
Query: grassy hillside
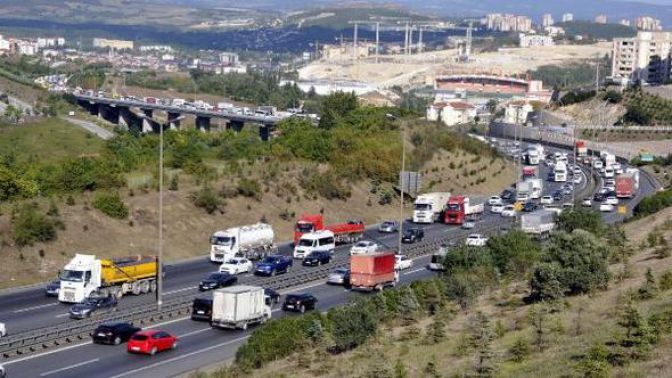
(339, 18)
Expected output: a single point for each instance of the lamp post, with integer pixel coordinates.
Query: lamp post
(401, 179)
(159, 279)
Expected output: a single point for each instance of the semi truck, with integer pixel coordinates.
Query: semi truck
(462, 208)
(560, 172)
(529, 172)
(86, 274)
(252, 241)
(539, 223)
(348, 232)
(373, 271)
(581, 149)
(428, 207)
(237, 307)
(627, 183)
(532, 188)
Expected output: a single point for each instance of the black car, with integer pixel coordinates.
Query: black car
(299, 302)
(599, 197)
(272, 296)
(93, 305)
(558, 195)
(113, 333)
(52, 288)
(316, 258)
(529, 207)
(201, 309)
(413, 235)
(507, 195)
(217, 280)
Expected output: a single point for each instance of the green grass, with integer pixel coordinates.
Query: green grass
(48, 141)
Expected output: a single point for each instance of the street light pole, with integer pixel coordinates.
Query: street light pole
(159, 279)
(403, 167)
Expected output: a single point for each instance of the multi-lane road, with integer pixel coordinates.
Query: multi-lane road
(199, 344)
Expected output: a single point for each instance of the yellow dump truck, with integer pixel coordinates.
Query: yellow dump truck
(86, 274)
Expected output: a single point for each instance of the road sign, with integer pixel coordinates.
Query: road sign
(622, 210)
(410, 182)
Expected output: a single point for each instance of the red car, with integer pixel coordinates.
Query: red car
(150, 342)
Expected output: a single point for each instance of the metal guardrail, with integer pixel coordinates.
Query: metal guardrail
(67, 332)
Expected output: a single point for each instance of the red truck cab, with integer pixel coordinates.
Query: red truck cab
(308, 223)
(455, 211)
(529, 172)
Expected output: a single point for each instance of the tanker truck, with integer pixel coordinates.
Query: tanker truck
(253, 242)
(86, 274)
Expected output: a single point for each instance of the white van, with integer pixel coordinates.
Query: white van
(315, 241)
(609, 172)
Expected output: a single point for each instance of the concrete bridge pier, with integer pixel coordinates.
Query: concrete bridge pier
(203, 123)
(93, 108)
(147, 123)
(236, 126)
(108, 113)
(265, 132)
(174, 120)
(125, 117)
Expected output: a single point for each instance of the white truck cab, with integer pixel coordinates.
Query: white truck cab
(80, 277)
(320, 241)
(244, 240)
(3, 330)
(428, 207)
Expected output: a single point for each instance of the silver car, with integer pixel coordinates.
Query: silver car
(388, 227)
(340, 276)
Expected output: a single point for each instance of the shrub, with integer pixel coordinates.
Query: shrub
(111, 205)
(30, 227)
(250, 188)
(174, 183)
(665, 281)
(519, 350)
(351, 326)
(207, 199)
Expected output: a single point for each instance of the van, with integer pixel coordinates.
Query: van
(315, 242)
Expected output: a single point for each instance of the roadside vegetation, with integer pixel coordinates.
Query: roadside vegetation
(592, 302)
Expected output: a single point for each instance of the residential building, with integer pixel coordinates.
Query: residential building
(547, 20)
(601, 19)
(644, 58)
(50, 42)
(517, 112)
(535, 40)
(229, 58)
(624, 22)
(507, 23)
(554, 31)
(115, 44)
(159, 48)
(648, 23)
(452, 113)
(568, 17)
(26, 47)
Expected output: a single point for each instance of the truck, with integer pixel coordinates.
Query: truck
(237, 307)
(537, 187)
(539, 223)
(560, 172)
(608, 158)
(150, 100)
(581, 149)
(462, 208)
(178, 102)
(253, 241)
(428, 207)
(627, 183)
(373, 271)
(348, 232)
(86, 274)
(524, 188)
(529, 172)
(532, 157)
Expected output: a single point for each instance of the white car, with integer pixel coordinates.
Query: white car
(468, 225)
(3, 330)
(509, 211)
(402, 262)
(606, 207)
(577, 179)
(236, 265)
(611, 200)
(496, 209)
(476, 240)
(587, 202)
(363, 247)
(577, 170)
(546, 200)
(495, 200)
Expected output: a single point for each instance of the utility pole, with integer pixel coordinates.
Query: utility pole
(420, 39)
(403, 167)
(406, 40)
(377, 39)
(159, 278)
(354, 44)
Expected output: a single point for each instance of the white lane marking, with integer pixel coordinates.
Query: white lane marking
(157, 364)
(62, 315)
(69, 367)
(180, 290)
(195, 332)
(33, 308)
(414, 271)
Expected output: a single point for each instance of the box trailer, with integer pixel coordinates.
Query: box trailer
(373, 271)
(237, 307)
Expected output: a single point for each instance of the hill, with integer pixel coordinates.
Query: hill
(339, 18)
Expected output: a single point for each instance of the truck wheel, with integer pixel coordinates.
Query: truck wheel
(302, 309)
(152, 286)
(153, 351)
(244, 327)
(117, 340)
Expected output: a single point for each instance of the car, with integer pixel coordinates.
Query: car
(522, 197)
(567, 205)
(272, 296)
(388, 227)
(577, 179)
(609, 188)
(316, 258)
(217, 280)
(340, 276)
(577, 171)
(509, 211)
(476, 240)
(495, 200)
(468, 225)
(3, 372)
(273, 264)
(299, 302)
(402, 262)
(610, 182)
(558, 194)
(93, 305)
(612, 200)
(529, 207)
(598, 197)
(113, 333)
(606, 207)
(236, 265)
(412, 235)
(52, 288)
(507, 195)
(546, 200)
(496, 209)
(587, 202)
(363, 247)
(3, 330)
(201, 309)
(151, 341)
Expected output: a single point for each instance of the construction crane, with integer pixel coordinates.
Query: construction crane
(354, 38)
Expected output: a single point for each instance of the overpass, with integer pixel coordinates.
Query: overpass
(118, 112)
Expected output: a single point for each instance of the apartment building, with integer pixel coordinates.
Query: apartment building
(648, 24)
(535, 40)
(115, 44)
(644, 58)
(507, 23)
(568, 17)
(547, 20)
(601, 19)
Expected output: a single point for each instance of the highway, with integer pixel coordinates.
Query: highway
(200, 346)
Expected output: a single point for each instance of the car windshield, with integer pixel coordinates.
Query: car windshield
(362, 244)
(90, 301)
(215, 276)
(304, 227)
(269, 260)
(436, 259)
(221, 240)
(388, 224)
(139, 337)
(341, 271)
(422, 206)
(305, 243)
(453, 207)
(232, 262)
(71, 275)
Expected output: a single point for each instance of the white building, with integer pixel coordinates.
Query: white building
(645, 58)
(451, 113)
(26, 48)
(535, 40)
(159, 48)
(507, 22)
(547, 20)
(229, 58)
(43, 43)
(327, 87)
(601, 19)
(554, 31)
(517, 112)
(568, 17)
(624, 22)
(648, 24)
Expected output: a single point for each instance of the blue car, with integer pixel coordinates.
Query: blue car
(272, 265)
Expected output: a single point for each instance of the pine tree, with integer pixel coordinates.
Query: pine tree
(649, 289)
(431, 370)
(436, 331)
(482, 339)
(400, 370)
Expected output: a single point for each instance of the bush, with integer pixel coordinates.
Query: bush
(111, 205)
(653, 204)
(519, 350)
(207, 199)
(30, 227)
(583, 219)
(351, 326)
(514, 253)
(250, 188)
